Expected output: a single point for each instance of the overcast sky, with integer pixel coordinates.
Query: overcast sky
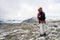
(22, 9)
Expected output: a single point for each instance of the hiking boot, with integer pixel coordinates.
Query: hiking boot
(43, 34)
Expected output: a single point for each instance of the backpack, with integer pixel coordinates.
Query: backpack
(42, 16)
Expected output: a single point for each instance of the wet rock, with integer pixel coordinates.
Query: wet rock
(58, 29)
(2, 38)
(41, 38)
(55, 25)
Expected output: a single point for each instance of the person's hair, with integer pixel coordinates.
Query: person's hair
(40, 9)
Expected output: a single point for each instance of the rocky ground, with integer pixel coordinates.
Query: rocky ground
(29, 31)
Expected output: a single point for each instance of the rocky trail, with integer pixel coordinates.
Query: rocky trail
(29, 31)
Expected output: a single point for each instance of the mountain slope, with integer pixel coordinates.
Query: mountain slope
(31, 20)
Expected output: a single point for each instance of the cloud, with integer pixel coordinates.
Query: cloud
(53, 9)
(22, 9)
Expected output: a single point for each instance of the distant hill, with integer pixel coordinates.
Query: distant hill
(31, 20)
(1, 21)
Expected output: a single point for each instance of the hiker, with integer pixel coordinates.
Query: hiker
(41, 19)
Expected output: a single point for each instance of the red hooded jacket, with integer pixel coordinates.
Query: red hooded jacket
(38, 16)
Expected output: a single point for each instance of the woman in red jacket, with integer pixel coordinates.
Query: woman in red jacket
(39, 16)
(41, 19)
